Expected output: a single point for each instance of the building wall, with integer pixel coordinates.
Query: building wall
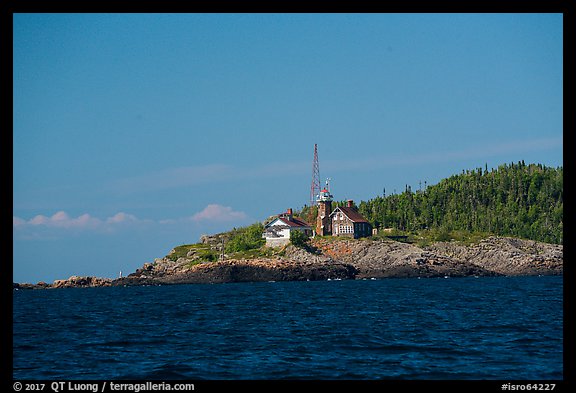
(362, 229)
(346, 227)
(277, 241)
(284, 232)
(284, 235)
(324, 210)
(342, 227)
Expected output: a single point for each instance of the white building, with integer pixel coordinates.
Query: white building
(277, 232)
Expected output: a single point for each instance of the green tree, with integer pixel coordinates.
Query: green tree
(246, 238)
(299, 239)
(524, 200)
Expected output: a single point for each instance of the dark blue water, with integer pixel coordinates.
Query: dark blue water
(468, 328)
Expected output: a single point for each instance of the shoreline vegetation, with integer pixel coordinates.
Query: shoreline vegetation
(330, 258)
(506, 221)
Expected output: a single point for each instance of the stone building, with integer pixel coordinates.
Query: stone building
(346, 221)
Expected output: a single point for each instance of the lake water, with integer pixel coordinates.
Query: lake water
(468, 328)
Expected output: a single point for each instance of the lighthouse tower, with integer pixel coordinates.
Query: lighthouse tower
(324, 200)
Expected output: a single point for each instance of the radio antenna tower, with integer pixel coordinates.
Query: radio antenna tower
(315, 187)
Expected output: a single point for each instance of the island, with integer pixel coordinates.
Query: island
(338, 258)
(503, 222)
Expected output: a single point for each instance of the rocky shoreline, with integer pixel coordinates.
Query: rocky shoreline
(347, 259)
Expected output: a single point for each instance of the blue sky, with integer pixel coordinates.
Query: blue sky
(135, 133)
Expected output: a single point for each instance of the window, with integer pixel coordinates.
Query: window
(340, 229)
(346, 228)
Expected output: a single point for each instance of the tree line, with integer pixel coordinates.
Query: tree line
(514, 200)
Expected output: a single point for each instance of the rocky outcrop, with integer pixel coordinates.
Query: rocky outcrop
(380, 259)
(258, 270)
(72, 282)
(507, 256)
(489, 257)
(40, 285)
(295, 265)
(332, 258)
(82, 282)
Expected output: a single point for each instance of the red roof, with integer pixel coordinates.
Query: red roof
(294, 222)
(351, 213)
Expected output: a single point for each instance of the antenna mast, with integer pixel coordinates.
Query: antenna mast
(315, 187)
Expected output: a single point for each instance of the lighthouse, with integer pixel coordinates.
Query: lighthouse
(324, 200)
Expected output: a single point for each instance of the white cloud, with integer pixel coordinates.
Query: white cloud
(17, 221)
(84, 220)
(61, 219)
(39, 220)
(215, 212)
(121, 217)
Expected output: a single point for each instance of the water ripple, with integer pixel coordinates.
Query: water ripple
(487, 328)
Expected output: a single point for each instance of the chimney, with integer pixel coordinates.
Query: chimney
(350, 203)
